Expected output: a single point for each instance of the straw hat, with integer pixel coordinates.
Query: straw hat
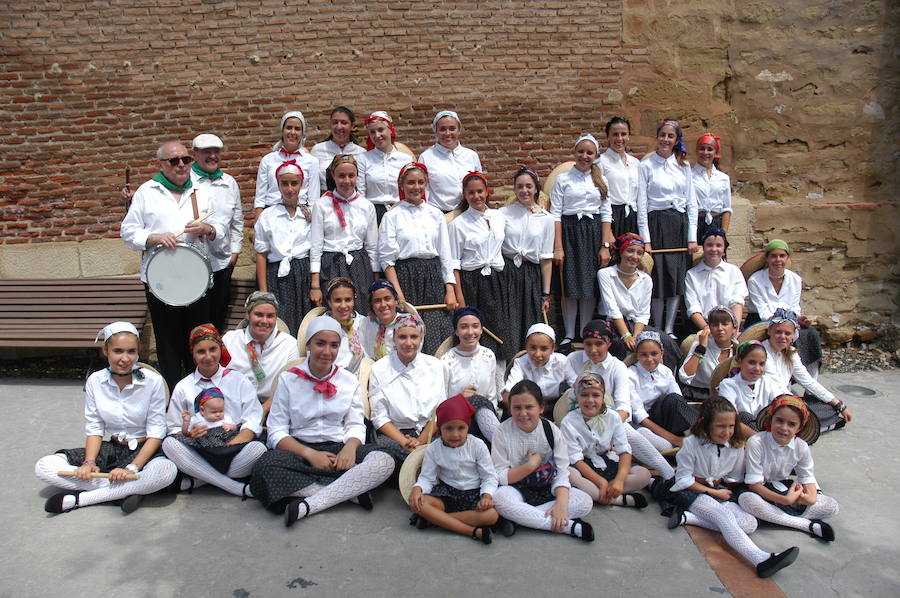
(647, 263)
(758, 262)
(722, 371)
(686, 343)
(631, 359)
(304, 326)
(405, 149)
(409, 471)
(551, 178)
(291, 364)
(365, 371)
(444, 347)
(449, 216)
(757, 332)
(808, 432)
(509, 364)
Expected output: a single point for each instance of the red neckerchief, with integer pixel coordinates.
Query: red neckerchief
(336, 202)
(323, 386)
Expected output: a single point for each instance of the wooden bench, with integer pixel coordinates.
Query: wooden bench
(240, 290)
(67, 313)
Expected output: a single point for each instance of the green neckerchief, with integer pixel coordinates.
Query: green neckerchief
(216, 175)
(160, 178)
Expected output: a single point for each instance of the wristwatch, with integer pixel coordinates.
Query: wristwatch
(606, 244)
(132, 468)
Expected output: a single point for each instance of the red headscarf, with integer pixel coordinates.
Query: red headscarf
(787, 401)
(380, 115)
(712, 140)
(456, 407)
(626, 240)
(406, 168)
(288, 164)
(208, 332)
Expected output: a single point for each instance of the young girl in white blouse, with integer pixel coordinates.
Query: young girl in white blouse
(582, 233)
(667, 219)
(340, 296)
(711, 459)
(714, 281)
(592, 433)
(622, 171)
(339, 141)
(714, 344)
(782, 487)
(527, 255)
(456, 484)
(711, 186)
(289, 147)
(343, 238)
(282, 247)
(541, 364)
(376, 331)
(448, 161)
(199, 460)
(747, 389)
(532, 462)
(414, 252)
(380, 165)
(129, 404)
(662, 415)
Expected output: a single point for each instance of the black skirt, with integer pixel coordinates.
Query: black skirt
(485, 293)
(621, 223)
(611, 471)
(668, 230)
(522, 287)
(213, 447)
(454, 499)
(292, 291)
(698, 394)
(673, 413)
(535, 496)
(360, 272)
(380, 210)
(112, 455)
(828, 416)
(797, 509)
(683, 499)
(702, 226)
(422, 283)
(581, 244)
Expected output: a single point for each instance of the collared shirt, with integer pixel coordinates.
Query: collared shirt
(155, 210)
(700, 458)
(241, 404)
(479, 370)
(446, 169)
(406, 395)
(409, 231)
(713, 190)
(707, 365)
(510, 446)
(749, 397)
(584, 444)
(620, 302)
(136, 411)
(351, 351)
(549, 376)
(464, 467)
(278, 349)
(325, 152)
(267, 191)
(282, 237)
(528, 235)
(781, 370)
(709, 286)
(768, 461)
(368, 334)
(327, 235)
(621, 178)
(476, 239)
(227, 203)
(613, 372)
(648, 387)
(306, 415)
(574, 194)
(763, 298)
(663, 185)
(378, 171)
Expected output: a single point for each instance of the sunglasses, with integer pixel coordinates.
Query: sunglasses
(183, 159)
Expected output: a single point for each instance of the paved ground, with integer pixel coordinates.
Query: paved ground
(209, 544)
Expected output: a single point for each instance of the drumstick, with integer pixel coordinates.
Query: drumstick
(71, 474)
(200, 219)
(433, 306)
(492, 335)
(127, 185)
(673, 250)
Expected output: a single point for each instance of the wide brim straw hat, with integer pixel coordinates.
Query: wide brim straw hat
(758, 262)
(304, 326)
(409, 471)
(809, 432)
(558, 170)
(757, 332)
(722, 371)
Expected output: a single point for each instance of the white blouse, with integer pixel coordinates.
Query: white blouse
(705, 459)
(377, 178)
(282, 237)
(241, 404)
(613, 372)
(713, 191)
(267, 191)
(510, 446)
(476, 239)
(227, 204)
(622, 179)
(406, 395)
(763, 298)
(136, 411)
(446, 169)
(464, 467)
(574, 194)
(745, 399)
(585, 444)
(327, 235)
(409, 231)
(780, 370)
(278, 349)
(479, 370)
(768, 461)
(549, 376)
(707, 287)
(368, 333)
(648, 387)
(663, 185)
(306, 415)
(707, 365)
(528, 235)
(325, 152)
(621, 302)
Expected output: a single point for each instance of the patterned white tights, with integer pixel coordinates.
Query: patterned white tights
(190, 462)
(731, 521)
(754, 503)
(374, 470)
(509, 503)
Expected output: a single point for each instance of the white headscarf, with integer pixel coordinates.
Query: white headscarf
(292, 114)
(116, 328)
(441, 115)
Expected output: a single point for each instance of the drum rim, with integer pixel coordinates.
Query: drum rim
(192, 248)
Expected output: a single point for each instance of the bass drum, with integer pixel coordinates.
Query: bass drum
(179, 276)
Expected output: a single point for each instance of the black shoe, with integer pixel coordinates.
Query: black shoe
(175, 486)
(587, 530)
(245, 493)
(131, 503)
(365, 500)
(676, 519)
(506, 527)
(418, 521)
(827, 532)
(292, 511)
(565, 346)
(486, 535)
(54, 504)
(777, 562)
(634, 500)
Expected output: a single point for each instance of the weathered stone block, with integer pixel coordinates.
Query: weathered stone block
(39, 260)
(108, 257)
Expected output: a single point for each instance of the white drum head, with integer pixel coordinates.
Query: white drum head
(179, 276)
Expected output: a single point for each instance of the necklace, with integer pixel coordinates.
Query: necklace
(776, 277)
(623, 272)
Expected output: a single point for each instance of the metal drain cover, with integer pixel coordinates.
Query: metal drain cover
(858, 391)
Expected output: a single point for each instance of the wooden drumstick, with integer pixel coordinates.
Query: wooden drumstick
(673, 250)
(492, 335)
(200, 219)
(433, 306)
(71, 474)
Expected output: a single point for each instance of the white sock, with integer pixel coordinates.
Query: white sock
(656, 310)
(644, 452)
(158, 473)
(672, 304)
(723, 520)
(658, 442)
(190, 462)
(488, 422)
(570, 312)
(374, 470)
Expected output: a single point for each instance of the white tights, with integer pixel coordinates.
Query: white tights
(671, 311)
(190, 462)
(509, 504)
(644, 451)
(488, 422)
(658, 442)
(731, 521)
(637, 479)
(374, 470)
(754, 503)
(158, 473)
(583, 308)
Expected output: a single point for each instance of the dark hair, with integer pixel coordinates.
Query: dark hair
(339, 282)
(744, 349)
(796, 410)
(350, 116)
(464, 203)
(616, 120)
(530, 174)
(720, 316)
(711, 407)
(528, 387)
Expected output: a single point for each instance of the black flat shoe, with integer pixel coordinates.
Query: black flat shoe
(365, 501)
(676, 519)
(245, 493)
(54, 504)
(827, 532)
(131, 503)
(292, 511)
(505, 527)
(486, 535)
(175, 486)
(634, 500)
(587, 530)
(777, 562)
